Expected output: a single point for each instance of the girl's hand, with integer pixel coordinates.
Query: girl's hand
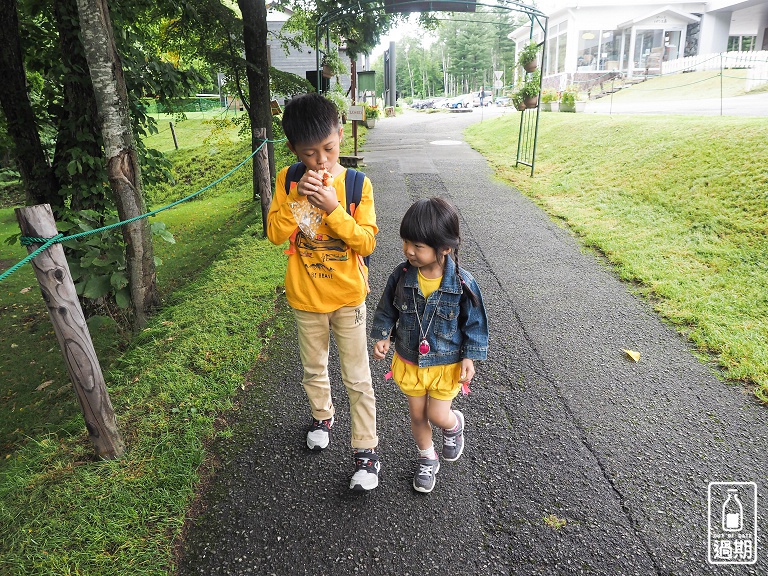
(467, 371)
(380, 349)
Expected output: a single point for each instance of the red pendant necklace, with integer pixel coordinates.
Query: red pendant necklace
(424, 347)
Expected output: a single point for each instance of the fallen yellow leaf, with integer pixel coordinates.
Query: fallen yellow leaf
(44, 385)
(632, 354)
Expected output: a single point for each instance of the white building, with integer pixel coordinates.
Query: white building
(589, 38)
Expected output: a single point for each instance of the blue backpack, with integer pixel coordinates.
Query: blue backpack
(353, 185)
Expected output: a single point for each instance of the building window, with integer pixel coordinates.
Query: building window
(742, 43)
(598, 50)
(589, 41)
(556, 52)
(649, 49)
(671, 45)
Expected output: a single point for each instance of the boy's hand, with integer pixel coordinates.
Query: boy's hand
(380, 349)
(325, 199)
(311, 186)
(467, 371)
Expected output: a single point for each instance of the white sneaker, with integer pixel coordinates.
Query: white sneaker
(319, 435)
(367, 466)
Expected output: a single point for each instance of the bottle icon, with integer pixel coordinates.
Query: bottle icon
(733, 512)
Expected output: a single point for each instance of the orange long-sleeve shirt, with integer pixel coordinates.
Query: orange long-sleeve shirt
(323, 273)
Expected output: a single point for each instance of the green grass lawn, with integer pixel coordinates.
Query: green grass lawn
(677, 204)
(688, 86)
(194, 130)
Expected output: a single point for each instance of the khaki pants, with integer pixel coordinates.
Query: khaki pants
(349, 331)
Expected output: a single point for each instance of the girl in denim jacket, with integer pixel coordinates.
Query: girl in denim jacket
(434, 311)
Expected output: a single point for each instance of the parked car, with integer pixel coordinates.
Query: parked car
(463, 101)
(503, 101)
(487, 97)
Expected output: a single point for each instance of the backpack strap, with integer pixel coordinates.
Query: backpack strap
(354, 187)
(295, 172)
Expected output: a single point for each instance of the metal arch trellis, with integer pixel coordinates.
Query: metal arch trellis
(529, 118)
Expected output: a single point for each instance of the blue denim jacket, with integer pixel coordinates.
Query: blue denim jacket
(459, 329)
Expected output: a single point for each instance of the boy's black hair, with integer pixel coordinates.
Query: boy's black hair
(309, 118)
(434, 222)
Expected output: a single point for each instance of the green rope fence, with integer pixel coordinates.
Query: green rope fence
(47, 242)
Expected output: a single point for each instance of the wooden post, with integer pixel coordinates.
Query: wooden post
(173, 132)
(71, 331)
(262, 183)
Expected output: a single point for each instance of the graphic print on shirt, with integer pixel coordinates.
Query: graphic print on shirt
(322, 249)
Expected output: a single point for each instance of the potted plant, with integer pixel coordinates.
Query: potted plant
(528, 58)
(568, 100)
(550, 100)
(530, 90)
(517, 100)
(372, 113)
(333, 65)
(340, 100)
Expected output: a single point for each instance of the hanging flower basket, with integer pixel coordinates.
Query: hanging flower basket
(531, 102)
(529, 57)
(532, 65)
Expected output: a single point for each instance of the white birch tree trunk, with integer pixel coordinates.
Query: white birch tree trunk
(122, 162)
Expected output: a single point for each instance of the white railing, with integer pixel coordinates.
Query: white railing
(715, 61)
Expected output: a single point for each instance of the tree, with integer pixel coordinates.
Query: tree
(35, 171)
(122, 162)
(259, 108)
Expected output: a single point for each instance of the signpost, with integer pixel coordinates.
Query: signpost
(498, 84)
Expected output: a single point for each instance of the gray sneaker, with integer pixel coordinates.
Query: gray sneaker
(453, 442)
(425, 477)
(319, 435)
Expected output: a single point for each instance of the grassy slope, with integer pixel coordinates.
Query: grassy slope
(688, 86)
(678, 204)
(63, 513)
(30, 356)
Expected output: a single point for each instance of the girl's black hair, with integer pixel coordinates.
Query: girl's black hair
(434, 222)
(309, 119)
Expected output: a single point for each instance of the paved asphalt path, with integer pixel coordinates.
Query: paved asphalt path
(560, 421)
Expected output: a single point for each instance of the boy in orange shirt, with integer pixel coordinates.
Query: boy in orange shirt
(325, 281)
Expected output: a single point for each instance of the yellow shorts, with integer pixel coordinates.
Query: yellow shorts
(440, 382)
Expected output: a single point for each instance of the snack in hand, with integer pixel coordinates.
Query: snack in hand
(326, 177)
